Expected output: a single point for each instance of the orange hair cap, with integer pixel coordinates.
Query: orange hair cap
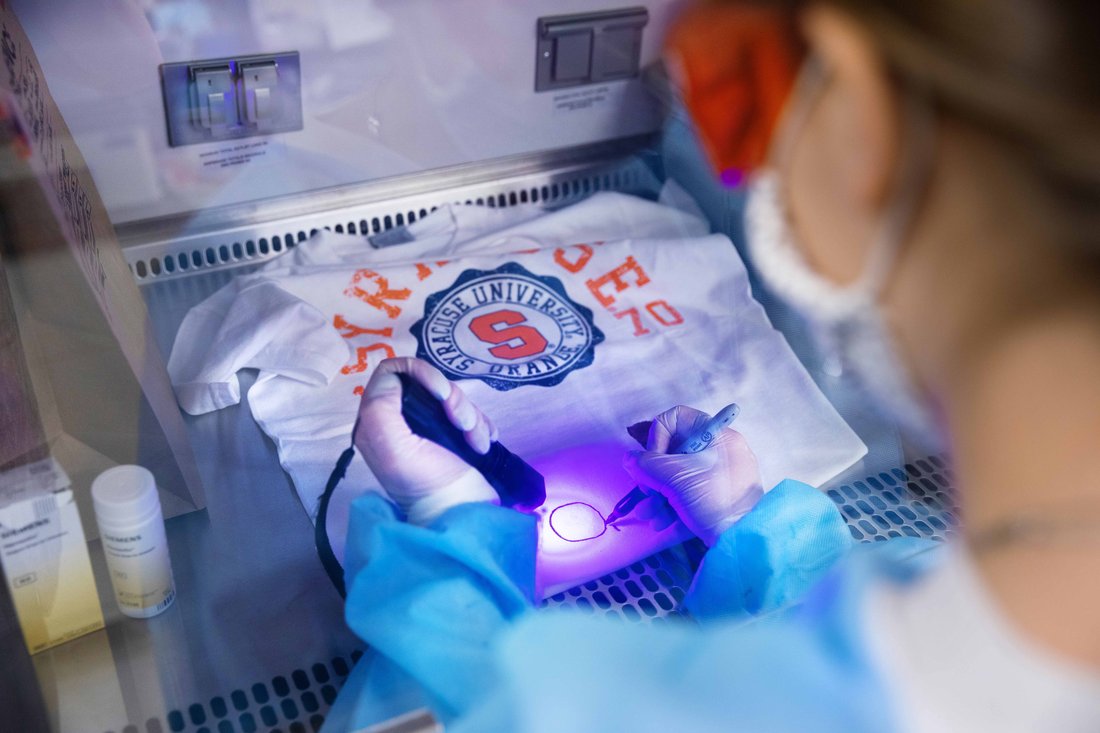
(736, 63)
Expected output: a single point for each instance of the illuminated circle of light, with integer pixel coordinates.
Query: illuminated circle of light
(580, 522)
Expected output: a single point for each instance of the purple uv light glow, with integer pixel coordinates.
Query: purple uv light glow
(732, 177)
(577, 521)
(591, 474)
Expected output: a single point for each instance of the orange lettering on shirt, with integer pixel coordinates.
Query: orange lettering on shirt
(423, 272)
(381, 294)
(578, 264)
(349, 330)
(665, 313)
(615, 277)
(362, 354)
(636, 319)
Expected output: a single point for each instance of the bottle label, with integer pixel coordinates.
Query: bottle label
(141, 571)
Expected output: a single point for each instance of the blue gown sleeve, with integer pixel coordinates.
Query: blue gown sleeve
(771, 557)
(431, 600)
(445, 611)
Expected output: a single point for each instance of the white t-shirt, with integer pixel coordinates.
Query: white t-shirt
(563, 327)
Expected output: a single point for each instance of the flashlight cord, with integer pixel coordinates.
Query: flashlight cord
(320, 530)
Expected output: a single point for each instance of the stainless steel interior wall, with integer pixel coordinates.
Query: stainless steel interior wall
(389, 87)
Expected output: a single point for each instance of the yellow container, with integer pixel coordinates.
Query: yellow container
(45, 556)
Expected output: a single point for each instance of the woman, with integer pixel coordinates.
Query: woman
(931, 211)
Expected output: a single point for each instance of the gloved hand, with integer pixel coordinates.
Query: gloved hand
(709, 490)
(421, 477)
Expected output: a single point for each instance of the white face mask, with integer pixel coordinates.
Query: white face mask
(846, 321)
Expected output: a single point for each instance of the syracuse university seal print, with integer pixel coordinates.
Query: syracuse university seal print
(507, 327)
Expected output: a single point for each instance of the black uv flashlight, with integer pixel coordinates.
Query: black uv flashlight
(518, 485)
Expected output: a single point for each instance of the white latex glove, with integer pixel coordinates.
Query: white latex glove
(421, 477)
(709, 490)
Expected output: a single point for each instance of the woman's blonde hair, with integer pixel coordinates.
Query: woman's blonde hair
(1024, 71)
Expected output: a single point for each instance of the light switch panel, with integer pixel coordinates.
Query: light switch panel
(588, 48)
(212, 98)
(573, 56)
(224, 99)
(260, 95)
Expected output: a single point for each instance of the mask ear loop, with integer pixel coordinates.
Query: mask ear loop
(911, 180)
(808, 90)
(809, 87)
(911, 185)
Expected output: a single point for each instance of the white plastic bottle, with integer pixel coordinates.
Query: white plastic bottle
(131, 527)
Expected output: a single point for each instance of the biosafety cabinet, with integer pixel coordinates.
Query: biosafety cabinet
(155, 151)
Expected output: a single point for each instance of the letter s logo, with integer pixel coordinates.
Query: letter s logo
(502, 327)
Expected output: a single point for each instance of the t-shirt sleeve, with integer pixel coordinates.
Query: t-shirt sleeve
(250, 324)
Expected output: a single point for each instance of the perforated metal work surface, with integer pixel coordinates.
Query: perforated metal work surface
(649, 590)
(914, 501)
(295, 703)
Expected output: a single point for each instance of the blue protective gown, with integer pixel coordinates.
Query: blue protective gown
(773, 644)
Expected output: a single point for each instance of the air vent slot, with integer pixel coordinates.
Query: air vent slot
(239, 246)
